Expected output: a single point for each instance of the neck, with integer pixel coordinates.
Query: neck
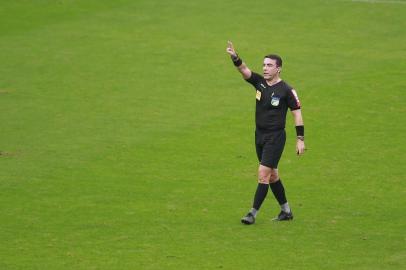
(273, 81)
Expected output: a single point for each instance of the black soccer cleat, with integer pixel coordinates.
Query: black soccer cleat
(249, 219)
(284, 216)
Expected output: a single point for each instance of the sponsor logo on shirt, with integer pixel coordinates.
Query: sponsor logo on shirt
(258, 95)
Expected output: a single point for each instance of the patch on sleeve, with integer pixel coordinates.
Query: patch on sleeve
(296, 97)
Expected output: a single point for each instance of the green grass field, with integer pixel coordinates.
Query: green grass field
(126, 135)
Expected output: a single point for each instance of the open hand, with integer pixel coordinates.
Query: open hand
(300, 147)
(230, 49)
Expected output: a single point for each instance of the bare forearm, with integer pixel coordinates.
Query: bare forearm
(300, 145)
(240, 65)
(244, 70)
(297, 117)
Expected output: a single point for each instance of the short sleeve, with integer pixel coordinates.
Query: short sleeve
(293, 100)
(254, 79)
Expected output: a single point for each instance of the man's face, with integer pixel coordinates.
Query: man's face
(270, 68)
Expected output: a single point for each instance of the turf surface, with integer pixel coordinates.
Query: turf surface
(126, 135)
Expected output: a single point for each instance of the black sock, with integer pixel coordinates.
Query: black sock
(278, 191)
(260, 194)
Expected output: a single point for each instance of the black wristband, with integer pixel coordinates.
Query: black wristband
(300, 131)
(236, 60)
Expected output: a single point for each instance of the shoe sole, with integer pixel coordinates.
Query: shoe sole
(246, 222)
(287, 219)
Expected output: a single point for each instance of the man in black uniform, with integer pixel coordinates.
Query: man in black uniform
(273, 98)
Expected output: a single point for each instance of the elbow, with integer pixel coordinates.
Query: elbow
(246, 73)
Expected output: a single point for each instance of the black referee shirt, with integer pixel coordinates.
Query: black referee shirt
(272, 103)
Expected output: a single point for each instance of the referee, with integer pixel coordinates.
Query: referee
(273, 98)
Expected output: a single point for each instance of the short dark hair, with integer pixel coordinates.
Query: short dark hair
(275, 57)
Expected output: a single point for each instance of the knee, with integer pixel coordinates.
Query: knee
(274, 176)
(264, 177)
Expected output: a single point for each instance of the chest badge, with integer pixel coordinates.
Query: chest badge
(258, 95)
(275, 101)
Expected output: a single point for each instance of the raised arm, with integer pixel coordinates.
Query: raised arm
(297, 117)
(241, 66)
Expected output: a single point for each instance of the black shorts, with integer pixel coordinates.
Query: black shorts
(269, 147)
